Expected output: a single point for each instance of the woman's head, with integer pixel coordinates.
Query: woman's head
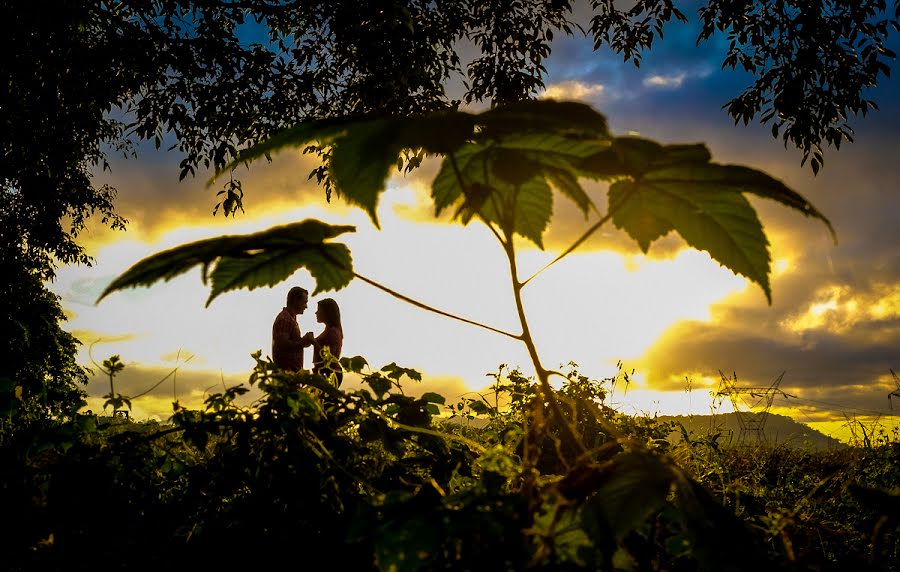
(328, 312)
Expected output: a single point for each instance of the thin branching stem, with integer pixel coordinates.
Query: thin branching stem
(477, 447)
(418, 304)
(425, 306)
(462, 185)
(542, 374)
(587, 234)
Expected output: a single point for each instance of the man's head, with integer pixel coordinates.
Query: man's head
(297, 299)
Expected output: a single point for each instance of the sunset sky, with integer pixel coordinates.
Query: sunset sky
(671, 316)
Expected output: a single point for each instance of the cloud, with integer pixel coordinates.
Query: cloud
(574, 90)
(852, 374)
(153, 389)
(667, 81)
(154, 202)
(838, 309)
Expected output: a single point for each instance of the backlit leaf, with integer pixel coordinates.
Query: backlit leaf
(567, 184)
(540, 144)
(322, 132)
(446, 189)
(634, 217)
(544, 115)
(327, 263)
(362, 160)
(632, 487)
(532, 207)
(719, 222)
(737, 178)
(432, 397)
(250, 261)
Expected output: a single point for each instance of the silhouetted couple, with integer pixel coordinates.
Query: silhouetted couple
(288, 342)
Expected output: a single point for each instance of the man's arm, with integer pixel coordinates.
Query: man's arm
(284, 339)
(286, 335)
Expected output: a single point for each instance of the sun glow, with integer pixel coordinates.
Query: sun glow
(593, 308)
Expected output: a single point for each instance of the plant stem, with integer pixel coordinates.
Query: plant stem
(424, 306)
(542, 374)
(583, 237)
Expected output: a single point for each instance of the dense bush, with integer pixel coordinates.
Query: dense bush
(376, 479)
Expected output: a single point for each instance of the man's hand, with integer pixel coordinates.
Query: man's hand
(308, 339)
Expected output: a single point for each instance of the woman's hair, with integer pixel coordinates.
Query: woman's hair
(331, 313)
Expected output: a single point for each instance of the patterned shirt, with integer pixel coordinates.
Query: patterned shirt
(288, 357)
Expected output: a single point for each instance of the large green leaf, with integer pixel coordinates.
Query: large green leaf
(719, 222)
(531, 206)
(446, 188)
(634, 216)
(438, 133)
(327, 263)
(528, 205)
(675, 187)
(567, 147)
(737, 178)
(365, 148)
(544, 115)
(250, 261)
(630, 488)
(506, 180)
(567, 183)
(321, 132)
(635, 156)
(362, 159)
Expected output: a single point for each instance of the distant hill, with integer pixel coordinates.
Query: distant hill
(778, 430)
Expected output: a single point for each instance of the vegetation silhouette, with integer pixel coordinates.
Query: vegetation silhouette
(365, 477)
(571, 483)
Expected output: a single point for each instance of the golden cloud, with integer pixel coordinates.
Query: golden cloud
(838, 308)
(573, 90)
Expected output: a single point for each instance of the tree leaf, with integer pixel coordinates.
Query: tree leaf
(682, 154)
(632, 486)
(636, 156)
(327, 263)
(566, 146)
(322, 132)
(545, 115)
(438, 133)
(354, 364)
(432, 397)
(362, 159)
(566, 183)
(512, 167)
(261, 259)
(446, 189)
(508, 185)
(738, 178)
(719, 222)
(532, 207)
(634, 217)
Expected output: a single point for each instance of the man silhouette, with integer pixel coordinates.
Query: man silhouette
(287, 340)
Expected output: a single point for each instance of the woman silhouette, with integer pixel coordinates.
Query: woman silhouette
(332, 337)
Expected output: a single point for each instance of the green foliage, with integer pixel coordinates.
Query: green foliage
(99, 77)
(498, 166)
(377, 482)
(40, 380)
(254, 260)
